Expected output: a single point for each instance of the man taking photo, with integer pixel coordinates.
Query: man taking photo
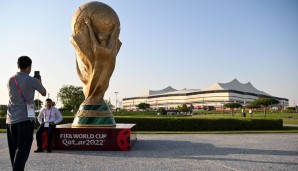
(20, 113)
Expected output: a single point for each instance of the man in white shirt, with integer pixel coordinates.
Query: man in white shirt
(51, 116)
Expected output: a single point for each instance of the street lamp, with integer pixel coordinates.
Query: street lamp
(295, 106)
(38, 103)
(57, 101)
(116, 100)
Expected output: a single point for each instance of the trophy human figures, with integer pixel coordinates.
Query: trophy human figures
(95, 36)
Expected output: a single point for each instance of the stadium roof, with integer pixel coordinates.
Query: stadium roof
(236, 85)
(232, 85)
(156, 92)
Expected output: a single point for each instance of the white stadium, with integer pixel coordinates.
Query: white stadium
(214, 96)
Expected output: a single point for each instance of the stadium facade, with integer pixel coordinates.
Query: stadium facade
(214, 96)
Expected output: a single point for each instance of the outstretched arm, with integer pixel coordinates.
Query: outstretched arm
(94, 43)
(114, 43)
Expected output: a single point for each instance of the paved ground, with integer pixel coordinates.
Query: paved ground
(175, 152)
(292, 125)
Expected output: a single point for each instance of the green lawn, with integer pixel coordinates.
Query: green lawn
(288, 118)
(136, 113)
(285, 130)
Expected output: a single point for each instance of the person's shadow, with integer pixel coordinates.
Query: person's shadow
(187, 150)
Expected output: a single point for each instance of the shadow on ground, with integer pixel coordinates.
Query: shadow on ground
(187, 150)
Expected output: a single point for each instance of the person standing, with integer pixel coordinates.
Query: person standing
(20, 113)
(51, 117)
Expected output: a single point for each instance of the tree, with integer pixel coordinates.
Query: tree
(252, 106)
(162, 111)
(293, 109)
(191, 106)
(108, 102)
(183, 108)
(264, 102)
(3, 110)
(232, 106)
(71, 97)
(143, 106)
(38, 104)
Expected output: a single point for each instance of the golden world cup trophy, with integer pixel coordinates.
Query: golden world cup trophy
(95, 36)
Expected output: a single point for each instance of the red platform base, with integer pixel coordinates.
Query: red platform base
(119, 138)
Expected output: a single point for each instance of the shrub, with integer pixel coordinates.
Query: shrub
(162, 111)
(189, 124)
(200, 124)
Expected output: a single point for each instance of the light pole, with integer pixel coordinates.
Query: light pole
(38, 102)
(57, 101)
(116, 100)
(295, 106)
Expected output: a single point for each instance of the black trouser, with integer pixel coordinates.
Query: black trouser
(19, 137)
(39, 132)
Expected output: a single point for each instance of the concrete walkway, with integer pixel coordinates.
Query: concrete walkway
(292, 125)
(174, 152)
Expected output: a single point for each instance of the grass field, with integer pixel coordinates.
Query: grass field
(284, 130)
(288, 118)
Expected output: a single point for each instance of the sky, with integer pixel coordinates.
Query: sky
(184, 44)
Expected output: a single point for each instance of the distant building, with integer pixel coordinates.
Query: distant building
(214, 96)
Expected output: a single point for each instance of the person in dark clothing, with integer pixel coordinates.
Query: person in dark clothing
(20, 113)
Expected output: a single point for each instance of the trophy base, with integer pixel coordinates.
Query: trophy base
(94, 116)
(94, 122)
(121, 137)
